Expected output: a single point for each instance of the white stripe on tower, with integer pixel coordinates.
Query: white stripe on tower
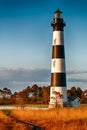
(58, 65)
(58, 71)
(58, 38)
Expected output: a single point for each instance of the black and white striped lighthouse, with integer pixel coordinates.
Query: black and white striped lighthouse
(58, 90)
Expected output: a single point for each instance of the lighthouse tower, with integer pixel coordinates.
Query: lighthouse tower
(58, 96)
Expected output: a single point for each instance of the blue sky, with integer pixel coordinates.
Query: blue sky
(26, 42)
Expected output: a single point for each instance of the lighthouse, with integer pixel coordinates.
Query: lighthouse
(58, 90)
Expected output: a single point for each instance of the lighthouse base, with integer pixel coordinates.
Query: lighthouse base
(53, 105)
(58, 97)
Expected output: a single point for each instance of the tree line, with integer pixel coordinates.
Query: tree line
(37, 95)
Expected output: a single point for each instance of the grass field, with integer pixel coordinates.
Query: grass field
(56, 119)
(53, 119)
(6, 123)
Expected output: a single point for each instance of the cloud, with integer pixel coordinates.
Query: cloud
(24, 74)
(14, 77)
(17, 78)
(77, 77)
(77, 80)
(76, 72)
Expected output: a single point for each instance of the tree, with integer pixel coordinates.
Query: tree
(79, 92)
(73, 92)
(68, 93)
(34, 93)
(5, 96)
(45, 94)
(6, 92)
(84, 97)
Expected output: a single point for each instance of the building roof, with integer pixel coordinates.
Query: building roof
(72, 98)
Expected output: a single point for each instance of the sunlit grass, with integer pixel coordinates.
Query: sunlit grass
(6, 123)
(56, 119)
(3, 120)
(3, 117)
(53, 119)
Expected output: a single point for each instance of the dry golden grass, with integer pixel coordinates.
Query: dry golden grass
(19, 126)
(56, 119)
(3, 117)
(7, 123)
(3, 120)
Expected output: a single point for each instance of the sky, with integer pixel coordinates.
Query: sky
(26, 42)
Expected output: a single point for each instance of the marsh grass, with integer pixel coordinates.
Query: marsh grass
(6, 123)
(3, 117)
(3, 120)
(56, 119)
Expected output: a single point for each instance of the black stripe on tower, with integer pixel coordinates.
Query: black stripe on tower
(58, 25)
(58, 79)
(58, 51)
